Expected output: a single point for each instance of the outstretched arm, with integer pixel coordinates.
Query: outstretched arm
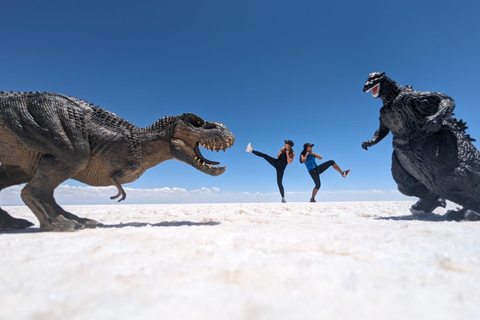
(381, 133)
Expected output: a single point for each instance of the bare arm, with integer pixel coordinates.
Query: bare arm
(290, 157)
(280, 152)
(319, 157)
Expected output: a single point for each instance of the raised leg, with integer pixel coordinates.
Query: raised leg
(38, 194)
(410, 186)
(273, 161)
(10, 176)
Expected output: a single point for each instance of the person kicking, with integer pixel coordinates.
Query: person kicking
(284, 157)
(308, 158)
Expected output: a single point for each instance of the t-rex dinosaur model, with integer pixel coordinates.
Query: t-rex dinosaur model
(47, 138)
(433, 158)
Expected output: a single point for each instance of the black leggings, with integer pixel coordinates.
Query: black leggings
(317, 171)
(279, 165)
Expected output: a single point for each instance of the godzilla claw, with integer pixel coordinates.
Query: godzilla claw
(365, 145)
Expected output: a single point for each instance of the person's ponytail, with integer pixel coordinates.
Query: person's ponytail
(304, 152)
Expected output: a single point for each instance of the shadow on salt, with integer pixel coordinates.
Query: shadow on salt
(421, 216)
(160, 224)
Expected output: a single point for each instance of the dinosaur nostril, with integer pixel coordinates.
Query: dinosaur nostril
(210, 125)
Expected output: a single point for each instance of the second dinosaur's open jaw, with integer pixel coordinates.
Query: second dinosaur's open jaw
(375, 90)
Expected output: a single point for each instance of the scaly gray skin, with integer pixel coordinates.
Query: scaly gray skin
(433, 158)
(47, 138)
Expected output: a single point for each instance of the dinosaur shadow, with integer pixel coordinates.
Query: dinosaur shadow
(123, 225)
(160, 224)
(431, 217)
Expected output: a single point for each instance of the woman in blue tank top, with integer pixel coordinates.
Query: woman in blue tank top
(308, 157)
(284, 157)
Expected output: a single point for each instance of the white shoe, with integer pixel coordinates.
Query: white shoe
(249, 147)
(283, 200)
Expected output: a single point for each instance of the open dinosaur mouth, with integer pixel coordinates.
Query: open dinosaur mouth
(208, 166)
(186, 144)
(200, 158)
(375, 91)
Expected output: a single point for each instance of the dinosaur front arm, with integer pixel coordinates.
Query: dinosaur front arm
(437, 108)
(121, 192)
(381, 133)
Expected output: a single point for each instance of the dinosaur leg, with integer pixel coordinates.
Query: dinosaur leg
(410, 186)
(10, 176)
(38, 194)
(464, 214)
(462, 186)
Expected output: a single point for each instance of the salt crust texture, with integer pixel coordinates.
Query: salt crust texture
(330, 260)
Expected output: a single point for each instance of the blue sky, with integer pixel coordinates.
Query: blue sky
(269, 70)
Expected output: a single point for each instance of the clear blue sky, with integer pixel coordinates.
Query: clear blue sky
(269, 70)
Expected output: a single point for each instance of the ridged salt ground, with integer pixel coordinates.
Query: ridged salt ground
(332, 260)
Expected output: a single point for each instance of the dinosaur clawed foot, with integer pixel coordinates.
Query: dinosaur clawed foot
(424, 205)
(61, 224)
(87, 223)
(463, 214)
(9, 222)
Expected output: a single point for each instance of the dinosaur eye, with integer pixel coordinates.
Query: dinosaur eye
(197, 123)
(193, 119)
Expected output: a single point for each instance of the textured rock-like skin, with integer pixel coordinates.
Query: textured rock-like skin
(47, 138)
(433, 158)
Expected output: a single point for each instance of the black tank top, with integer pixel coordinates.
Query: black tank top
(283, 157)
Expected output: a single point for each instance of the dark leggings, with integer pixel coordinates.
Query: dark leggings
(279, 165)
(317, 171)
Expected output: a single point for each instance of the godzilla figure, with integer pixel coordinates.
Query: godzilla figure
(433, 158)
(47, 138)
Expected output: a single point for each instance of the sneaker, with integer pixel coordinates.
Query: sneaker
(346, 173)
(283, 200)
(312, 200)
(249, 147)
